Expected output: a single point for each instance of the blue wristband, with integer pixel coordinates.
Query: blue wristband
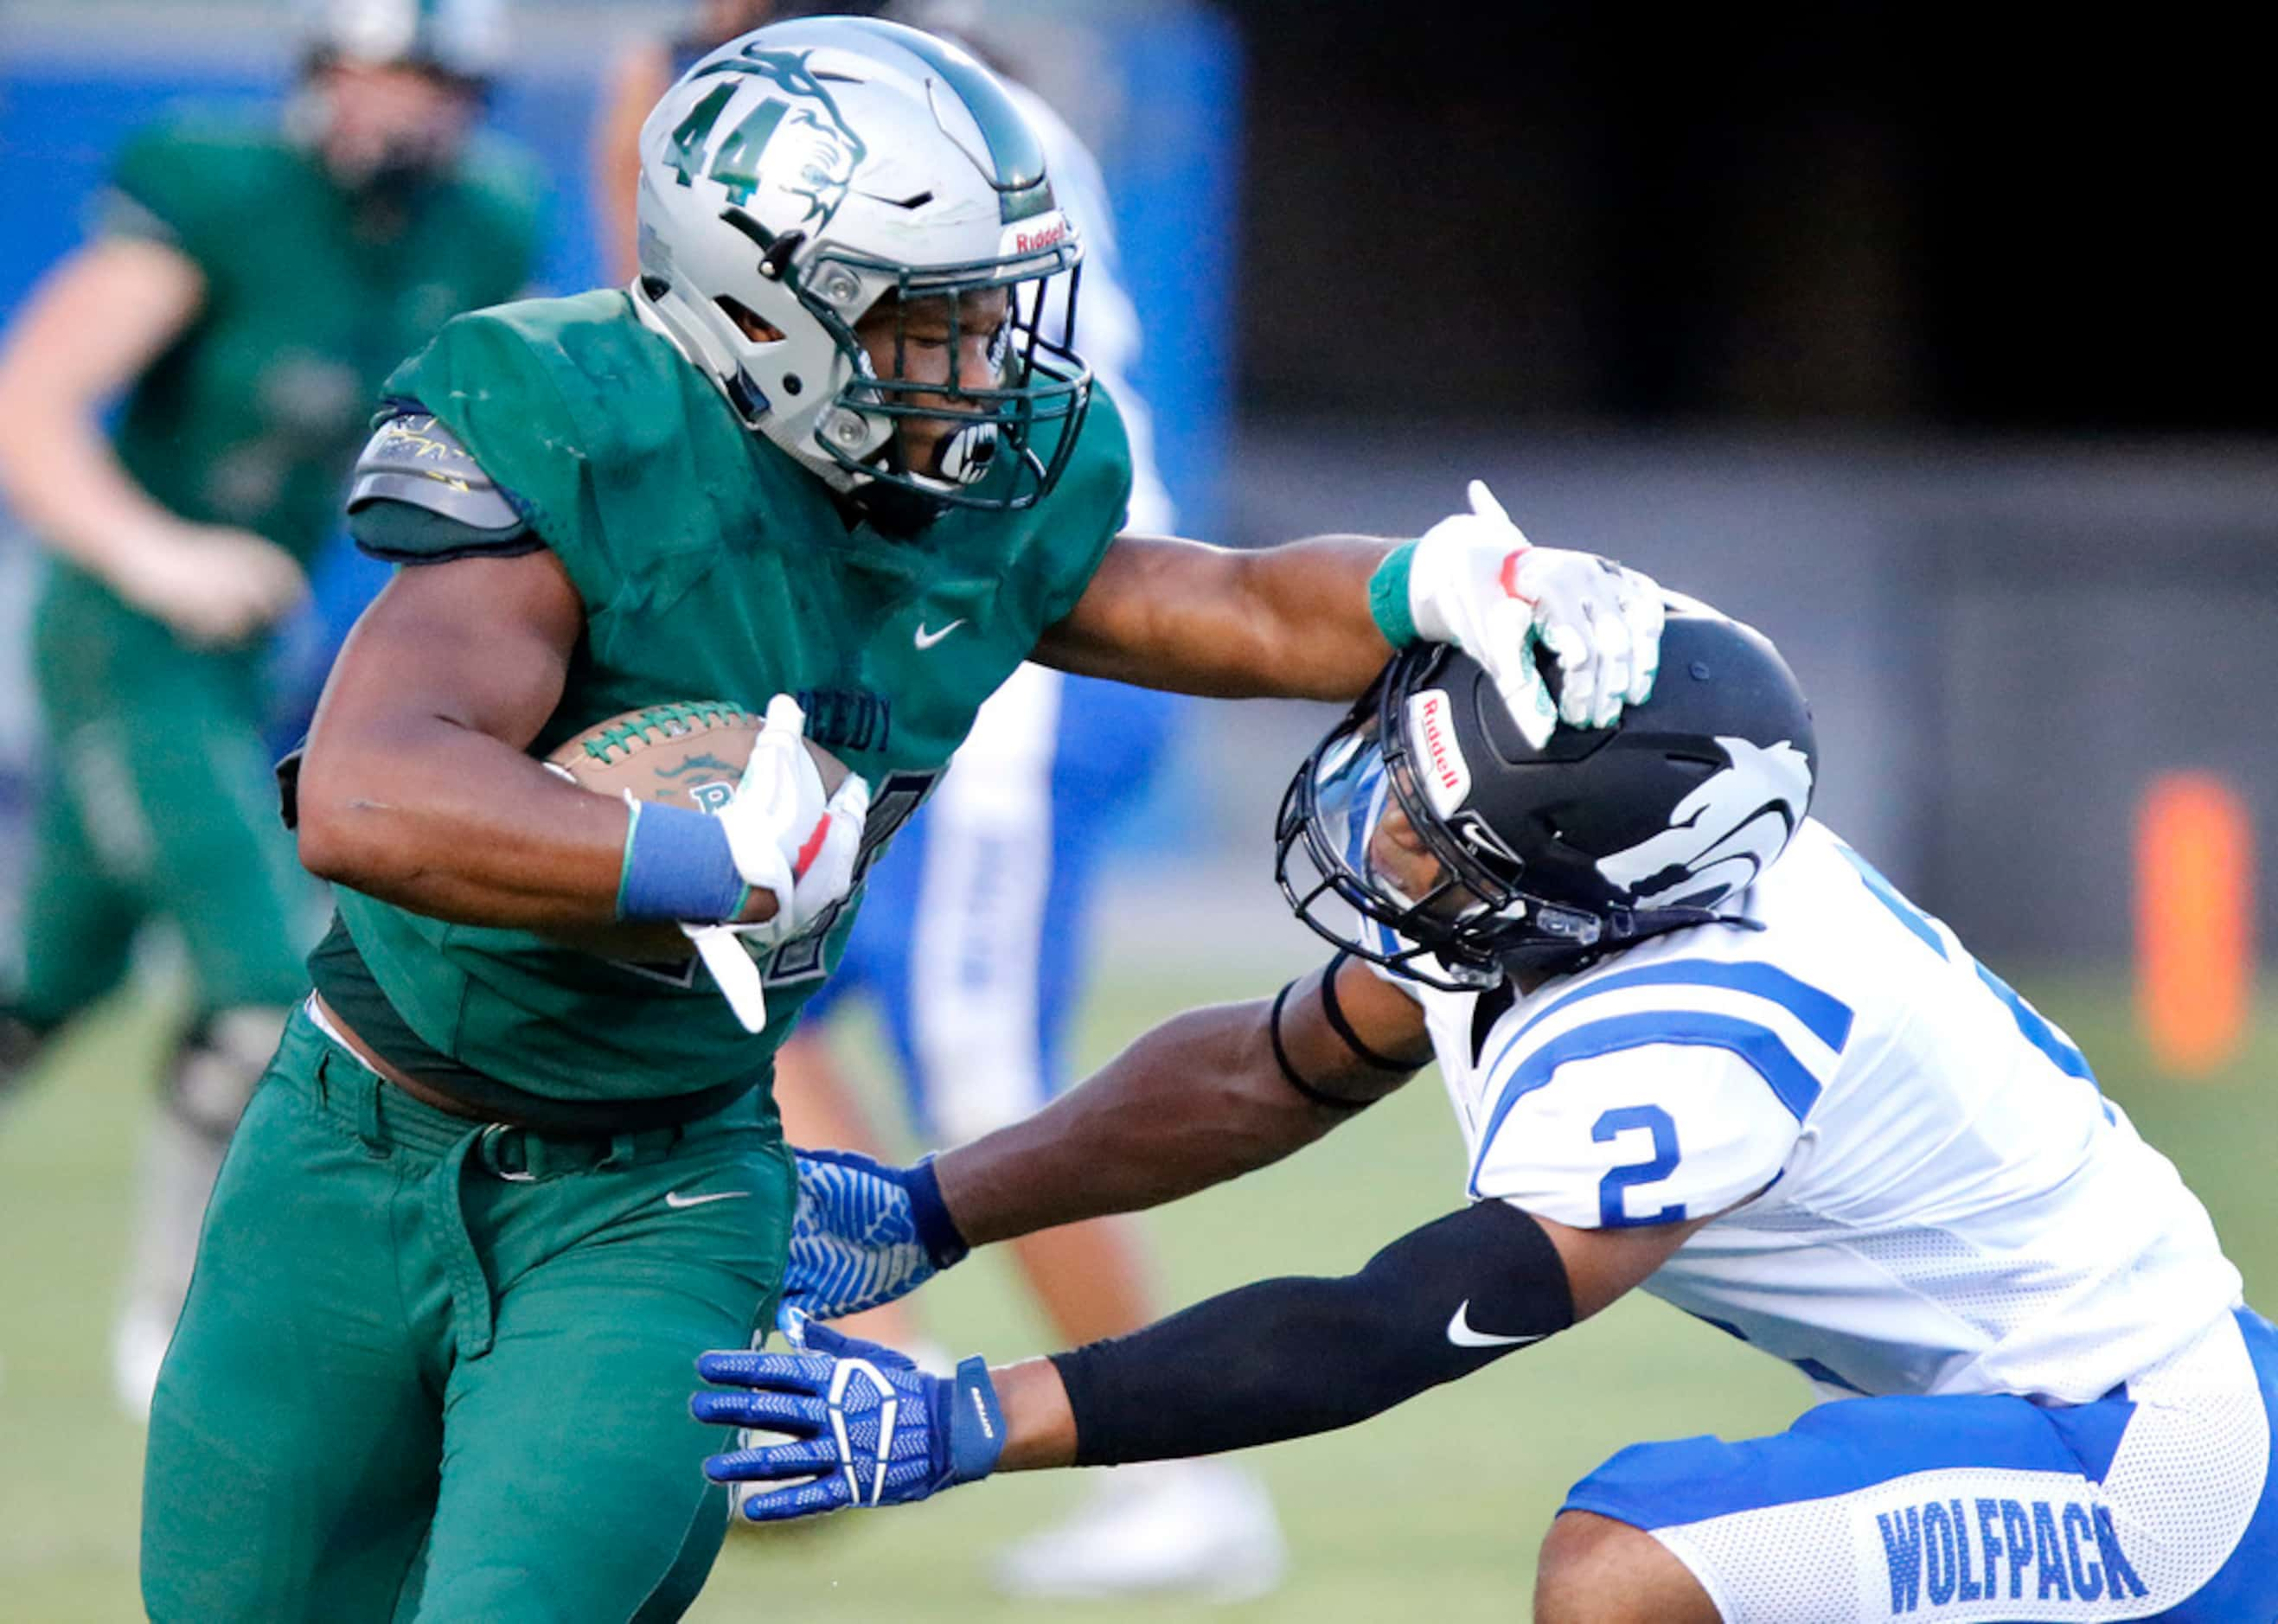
(1388, 597)
(937, 1231)
(976, 1425)
(678, 866)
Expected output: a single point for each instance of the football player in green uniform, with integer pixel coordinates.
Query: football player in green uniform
(824, 447)
(248, 287)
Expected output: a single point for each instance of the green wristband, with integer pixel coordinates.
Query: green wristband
(1388, 597)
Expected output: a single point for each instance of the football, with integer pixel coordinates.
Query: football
(688, 754)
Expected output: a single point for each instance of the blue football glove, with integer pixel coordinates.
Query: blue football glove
(864, 1233)
(860, 1424)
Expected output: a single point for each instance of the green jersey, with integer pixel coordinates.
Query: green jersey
(311, 294)
(711, 566)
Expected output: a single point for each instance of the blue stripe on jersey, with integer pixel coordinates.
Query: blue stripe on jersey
(1759, 1045)
(2062, 1052)
(1907, 914)
(1825, 1017)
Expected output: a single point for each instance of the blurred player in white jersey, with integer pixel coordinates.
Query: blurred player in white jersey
(973, 948)
(1694, 1043)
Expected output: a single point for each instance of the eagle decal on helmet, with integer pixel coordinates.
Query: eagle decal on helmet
(830, 150)
(1528, 858)
(1721, 836)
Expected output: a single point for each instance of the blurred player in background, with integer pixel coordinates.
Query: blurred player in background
(248, 285)
(644, 73)
(975, 943)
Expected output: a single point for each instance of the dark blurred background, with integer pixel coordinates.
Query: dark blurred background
(1858, 213)
(1933, 339)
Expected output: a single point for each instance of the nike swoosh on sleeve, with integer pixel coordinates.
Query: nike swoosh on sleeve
(673, 1198)
(1460, 1331)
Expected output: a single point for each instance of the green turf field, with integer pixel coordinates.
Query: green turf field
(1432, 1515)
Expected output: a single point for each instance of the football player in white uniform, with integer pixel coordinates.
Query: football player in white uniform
(1697, 1045)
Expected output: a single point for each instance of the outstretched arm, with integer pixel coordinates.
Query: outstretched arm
(1317, 620)
(1285, 1359)
(1199, 1101)
(1204, 1097)
(1290, 622)
(1280, 1359)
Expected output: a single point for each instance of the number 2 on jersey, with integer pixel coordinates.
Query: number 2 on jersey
(1613, 1189)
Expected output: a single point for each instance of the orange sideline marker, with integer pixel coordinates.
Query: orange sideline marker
(2194, 922)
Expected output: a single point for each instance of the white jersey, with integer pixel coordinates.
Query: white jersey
(1917, 1187)
(1108, 322)
(1010, 745)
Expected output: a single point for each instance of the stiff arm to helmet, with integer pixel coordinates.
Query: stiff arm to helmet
(1543, 857)
(1475, 581)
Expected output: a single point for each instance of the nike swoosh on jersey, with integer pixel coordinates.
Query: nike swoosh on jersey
(1460, 1331)
(673, 1198)
(926, 639)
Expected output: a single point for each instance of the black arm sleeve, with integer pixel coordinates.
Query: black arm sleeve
(1284, 1358)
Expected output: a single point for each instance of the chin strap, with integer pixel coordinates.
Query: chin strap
(1579, 940)
(1624, 925)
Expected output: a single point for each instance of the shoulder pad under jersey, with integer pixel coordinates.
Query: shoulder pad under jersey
(415, 460)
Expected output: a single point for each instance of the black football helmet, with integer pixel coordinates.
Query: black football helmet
(1468, 853)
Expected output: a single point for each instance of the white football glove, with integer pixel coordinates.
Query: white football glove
(1476, 581)
(788, 839)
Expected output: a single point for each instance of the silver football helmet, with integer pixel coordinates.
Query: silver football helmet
(464, 39)
(800, 175)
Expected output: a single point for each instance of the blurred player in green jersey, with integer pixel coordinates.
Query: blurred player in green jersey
(828, 456)
(249, 284)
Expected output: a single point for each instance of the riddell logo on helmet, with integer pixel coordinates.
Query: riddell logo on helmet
(1447, 775)
(1036, 243)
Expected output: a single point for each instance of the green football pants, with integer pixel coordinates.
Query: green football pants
(159, 802)
(430, 1370)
